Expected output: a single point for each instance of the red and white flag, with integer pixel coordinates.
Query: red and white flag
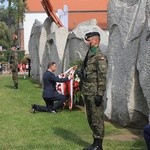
(66, 88)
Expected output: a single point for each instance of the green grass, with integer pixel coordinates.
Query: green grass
(66, 130)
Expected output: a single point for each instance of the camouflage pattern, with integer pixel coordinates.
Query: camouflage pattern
(89, 89)
(14, 66)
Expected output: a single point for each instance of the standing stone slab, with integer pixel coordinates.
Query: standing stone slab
(47, 43)
(42, 42)
(53, 49)
(143, 62)
(125, 100)
(76, 47)
(45, 31)
(34, 49)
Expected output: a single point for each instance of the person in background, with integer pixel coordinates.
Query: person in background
(24, 70)
(13, 60)
(93, 88)
(50, 94)
(24, 67)
(146, 132)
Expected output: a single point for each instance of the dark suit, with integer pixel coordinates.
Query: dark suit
(146, 132)
(50, 93)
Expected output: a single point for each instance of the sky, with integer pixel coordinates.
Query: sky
(6, 3)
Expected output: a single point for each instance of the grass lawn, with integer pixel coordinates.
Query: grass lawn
(66, 130)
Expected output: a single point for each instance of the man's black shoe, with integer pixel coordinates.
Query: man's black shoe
(33, 108)
(53, 111)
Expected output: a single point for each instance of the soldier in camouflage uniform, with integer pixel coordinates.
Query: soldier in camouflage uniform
(93, 89)
(13, 60)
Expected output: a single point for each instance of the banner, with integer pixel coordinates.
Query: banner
(66, 88)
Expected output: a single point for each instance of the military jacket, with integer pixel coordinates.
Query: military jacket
(96, 67)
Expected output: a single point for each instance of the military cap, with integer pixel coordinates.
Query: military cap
(90, 34)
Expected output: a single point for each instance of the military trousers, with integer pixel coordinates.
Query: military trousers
(15, 76)
(95, 116)
(54, 103)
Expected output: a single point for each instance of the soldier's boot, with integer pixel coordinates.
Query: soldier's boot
(88, 148)
(97, 144)
(91, 146)
(16, 86)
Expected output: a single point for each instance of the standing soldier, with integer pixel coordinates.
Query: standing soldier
(13, 60)
(93, 88)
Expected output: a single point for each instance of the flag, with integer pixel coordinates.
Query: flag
(66, 88)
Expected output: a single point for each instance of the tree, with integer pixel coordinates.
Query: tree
(5, 38)
(13, 15)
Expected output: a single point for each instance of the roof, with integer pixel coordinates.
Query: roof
(79, 10)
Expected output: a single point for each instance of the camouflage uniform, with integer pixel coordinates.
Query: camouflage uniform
(14, 67)
(89, 89)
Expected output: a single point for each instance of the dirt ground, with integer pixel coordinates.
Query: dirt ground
(125, 137)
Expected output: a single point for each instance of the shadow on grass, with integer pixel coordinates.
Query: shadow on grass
(70, 136)
(138, 145)
(135, 131)
(9, 86)
(134, 137)
(34, 82)
(123, 145)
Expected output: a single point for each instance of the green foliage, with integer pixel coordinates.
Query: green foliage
(78, 95)
(14, 11)
(3, 15)
(12, 16)
(4, 56)
(76, 63)
(5, 37)
(20, 55)
(78, 98)
(66, 130)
